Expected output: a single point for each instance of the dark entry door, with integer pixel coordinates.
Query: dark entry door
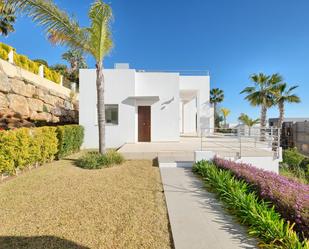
(144, 123)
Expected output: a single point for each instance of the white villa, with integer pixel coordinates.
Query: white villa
(144, 106)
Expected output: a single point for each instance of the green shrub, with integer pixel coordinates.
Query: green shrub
(4, 51)
(95, 160)
(70, 139)
(292, 158)
(263, 221)
(51, 75)
(25, 147)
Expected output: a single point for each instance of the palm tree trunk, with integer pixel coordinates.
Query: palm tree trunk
(101, 106)
(215, 115)
(281, 114)
(263, 122)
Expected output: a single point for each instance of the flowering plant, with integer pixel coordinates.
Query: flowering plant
(290, 198)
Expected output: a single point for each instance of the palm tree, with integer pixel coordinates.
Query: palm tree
(225, 112)
(261, 94)
(7, 18)
(94, 40)
(246, 120)
(216, 96)
(75, 58)
(283, 95)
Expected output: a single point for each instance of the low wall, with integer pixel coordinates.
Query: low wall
(263, 162)
(26, 97)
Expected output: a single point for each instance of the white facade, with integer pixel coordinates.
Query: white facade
(178, 105)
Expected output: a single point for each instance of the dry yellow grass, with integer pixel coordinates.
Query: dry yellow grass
(62, 206)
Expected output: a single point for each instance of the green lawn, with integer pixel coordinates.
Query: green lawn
(62, 206)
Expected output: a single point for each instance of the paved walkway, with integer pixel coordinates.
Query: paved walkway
(197, 219)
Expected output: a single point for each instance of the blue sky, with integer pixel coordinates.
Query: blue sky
(232, 39)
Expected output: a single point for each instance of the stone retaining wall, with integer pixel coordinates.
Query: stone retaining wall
(26, 98)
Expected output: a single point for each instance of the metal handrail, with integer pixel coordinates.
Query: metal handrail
(268, 137)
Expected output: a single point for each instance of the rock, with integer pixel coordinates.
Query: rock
(30, 90)
(44, 116)
(55, 119)
(18, 86)
(18, 104)
(67, 105)
(4, 103)
(35, 105)
(50, 99)
(5, 85)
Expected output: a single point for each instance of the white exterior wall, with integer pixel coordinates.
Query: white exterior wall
(204, 110)
(119, 85)
(165, 112)
(190, 112)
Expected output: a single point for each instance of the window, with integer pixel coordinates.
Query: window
(111, 114)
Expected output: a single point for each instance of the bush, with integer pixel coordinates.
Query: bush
(95, 160)
(25, 147)
(289, 197)
(70, 139)
(293, 158)
(29, 65)
(51, 75)
(4, 51)
(263, 221)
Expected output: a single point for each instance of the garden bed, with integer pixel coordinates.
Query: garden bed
(290, 198)
(263, 221)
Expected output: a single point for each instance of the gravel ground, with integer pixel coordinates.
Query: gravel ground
(62, 206)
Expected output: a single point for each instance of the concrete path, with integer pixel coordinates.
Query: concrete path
(197, 219)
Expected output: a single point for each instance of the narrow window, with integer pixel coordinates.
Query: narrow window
(111, 114)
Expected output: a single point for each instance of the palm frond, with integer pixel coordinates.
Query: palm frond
(59, 27)
(100, 15)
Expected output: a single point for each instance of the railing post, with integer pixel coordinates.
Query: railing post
(41, 71)
(73, 87)
(11, 57)
(240, 154)
(61, 80)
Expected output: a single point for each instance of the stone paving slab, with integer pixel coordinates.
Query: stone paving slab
(197, 219)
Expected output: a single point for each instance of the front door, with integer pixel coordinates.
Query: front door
(144, 123)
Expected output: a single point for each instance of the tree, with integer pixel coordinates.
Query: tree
(94, 40)
(216, 97)
(283, 95)
(41, 61)
(7, 18)
(261, 94)
(225, 112)
(246, 120)
(75, 58)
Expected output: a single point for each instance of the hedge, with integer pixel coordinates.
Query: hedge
(26, 147)
(262, 219)
(70, 139)
(290, 198)
(27, 64)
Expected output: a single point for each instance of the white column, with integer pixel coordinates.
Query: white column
(11, 57)
(41, 71)
(73, 87)
(61, 80)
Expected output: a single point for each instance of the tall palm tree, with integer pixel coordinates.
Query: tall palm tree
(261, 94)
(7, 18)
(246, 120)
(94, 40)
(283, 95)
(216, 97)
(225, 112)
